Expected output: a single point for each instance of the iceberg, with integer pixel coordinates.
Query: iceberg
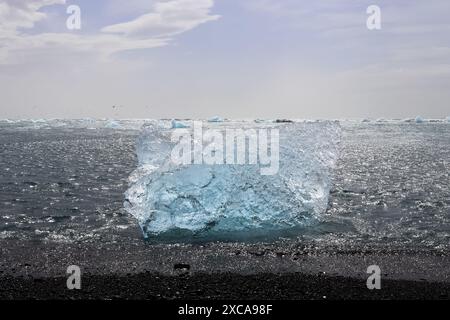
(178, 124)
(448, 119)
(215, 119)
(201, 199)
(419, 119)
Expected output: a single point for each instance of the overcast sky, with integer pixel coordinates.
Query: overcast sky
(233, 58)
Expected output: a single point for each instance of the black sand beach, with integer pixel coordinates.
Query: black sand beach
(219, 271)
(219, 286)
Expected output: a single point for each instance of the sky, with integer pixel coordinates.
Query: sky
(232, 58)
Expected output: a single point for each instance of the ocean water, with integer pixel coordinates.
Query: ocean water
(64, 181)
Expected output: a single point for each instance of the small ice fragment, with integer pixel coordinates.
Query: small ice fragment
(419, 119)
(178, 124)
(112, 124)
(215, 119)
(448, 119)
(263, 121)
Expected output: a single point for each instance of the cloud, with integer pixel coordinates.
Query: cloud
(26, 48)
(167, 19)
(21, 14)
(151, 30)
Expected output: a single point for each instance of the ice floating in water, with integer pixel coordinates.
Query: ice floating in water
(112, 124)
(215, 119)
(419, 119)
(200, 199)
(86, 123)
(178, 124)
(448, 119)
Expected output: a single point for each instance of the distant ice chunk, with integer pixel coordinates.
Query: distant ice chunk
(419, 119)
(178, 124)
(215, 119)
(112, 124)
(201, 199)
(448, 119)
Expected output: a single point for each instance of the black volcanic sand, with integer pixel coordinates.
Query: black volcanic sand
(218, 286)
(218, 271)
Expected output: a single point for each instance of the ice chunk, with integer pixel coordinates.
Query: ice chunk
(419, 119)
(209, 199)
(215, 119)
(178, 124)
(260, 120)
(112, 124)
(448, 119)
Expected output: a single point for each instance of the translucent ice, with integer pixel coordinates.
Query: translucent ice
(215, 119)
(112, 124)
(166, 197)
(419, 119)
(178, 124)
